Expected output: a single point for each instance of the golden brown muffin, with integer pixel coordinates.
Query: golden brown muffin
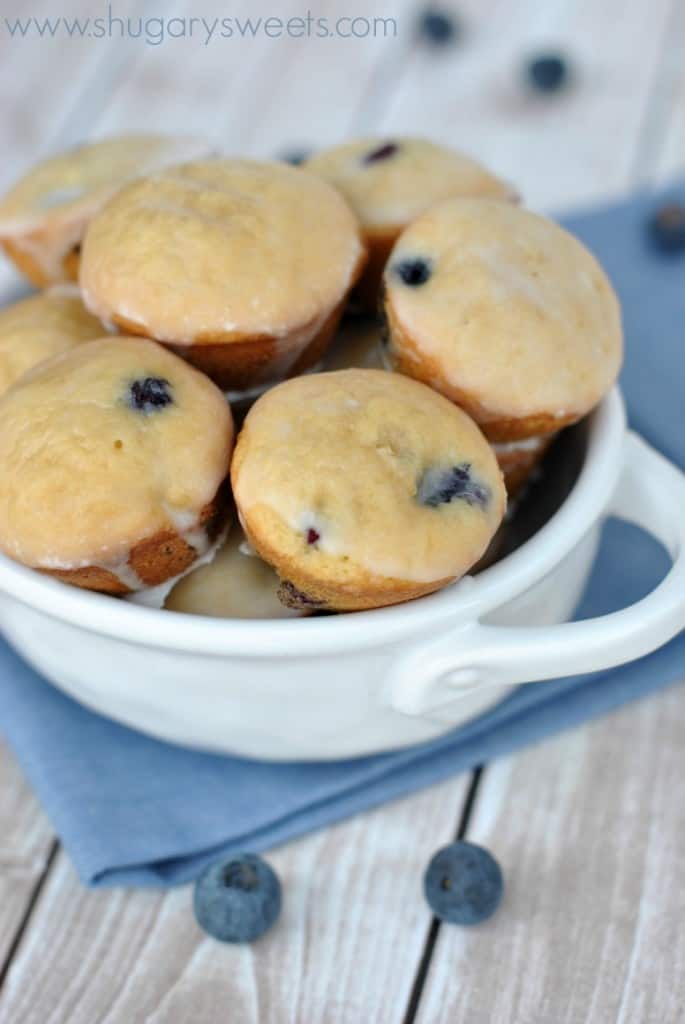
(113, 458)
(509, 316)
(363, 488)
(242, 267)
(390, 182)
(40, 327)
(236, 584)
(43, 217)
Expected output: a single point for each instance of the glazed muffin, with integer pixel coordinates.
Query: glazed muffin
(236, 584)
(40, 327)
(113, 458)
(506, 314)
(241, 267)
(390, 182)
(364, 488)
(43, 217)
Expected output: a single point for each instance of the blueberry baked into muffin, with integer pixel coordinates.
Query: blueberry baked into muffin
(113, 457)
(40, 327)
(507, 315)
(241, 267)
(390, 182)
(364, 488)
(43, 217)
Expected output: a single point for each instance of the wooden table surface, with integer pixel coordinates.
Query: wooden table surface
(589, 826)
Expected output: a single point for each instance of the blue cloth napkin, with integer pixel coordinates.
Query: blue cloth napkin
(134, 811)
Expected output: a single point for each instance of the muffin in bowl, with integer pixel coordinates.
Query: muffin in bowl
(507, 315)
(241, 267)
(42, 326)
(364, 488)
(43, 217)
(113, 462)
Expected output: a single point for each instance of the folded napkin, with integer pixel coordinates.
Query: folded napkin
(134, 811)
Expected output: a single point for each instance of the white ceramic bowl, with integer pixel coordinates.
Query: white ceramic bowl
(346, 685)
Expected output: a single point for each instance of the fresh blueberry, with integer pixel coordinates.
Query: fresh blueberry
(667, 228)
(548, 72)
(383, 152)
(149, 394)
(296, 157)
(440, 486)
(238, 899)
(463, 884)
(413, 272)
(438, 27)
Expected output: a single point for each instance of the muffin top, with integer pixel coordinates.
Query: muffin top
(389, 182)
(236, 584)
(40, 327)
(219, 250)
(74, 184)
(103, 446)
(364, 472)
(503, 311)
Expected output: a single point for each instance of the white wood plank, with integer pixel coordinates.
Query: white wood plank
(25, 842)
(670, 159)
(43, 79)
(344, 951)
(259, 95)
(588, 830)
(572, 148)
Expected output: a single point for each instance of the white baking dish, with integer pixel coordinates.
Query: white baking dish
(353, 684)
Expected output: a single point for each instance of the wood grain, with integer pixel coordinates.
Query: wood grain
(25, 843)
(572, 148)
(344, 951)
(588, 830)
(593, 816)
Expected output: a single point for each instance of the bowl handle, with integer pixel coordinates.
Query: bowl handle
(651, 494)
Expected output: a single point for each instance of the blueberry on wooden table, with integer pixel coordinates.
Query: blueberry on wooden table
(296, 157)
(463, 884)
(237, 899)
(438, 27)
(547, 72)
(667, 227)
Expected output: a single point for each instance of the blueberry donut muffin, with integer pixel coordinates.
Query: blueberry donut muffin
(113, 458)
(364, 488)
(242, 267)
(40, 327)
(43, 217)
(506, 314)
(390, 182)
(236, 584)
